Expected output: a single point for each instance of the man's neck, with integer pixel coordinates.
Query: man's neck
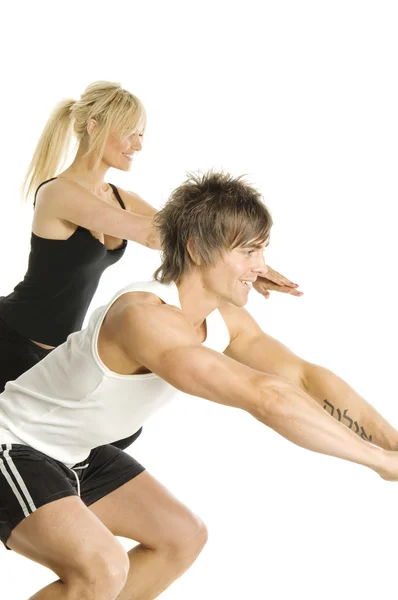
(197, 302)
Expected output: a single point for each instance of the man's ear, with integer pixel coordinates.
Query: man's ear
(193, 255)
(91, 125)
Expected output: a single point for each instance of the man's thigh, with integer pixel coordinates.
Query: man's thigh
(42, 517)
(145, 511)
(106, 469)
(61, 535)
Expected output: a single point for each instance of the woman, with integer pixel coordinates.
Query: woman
(80, 225)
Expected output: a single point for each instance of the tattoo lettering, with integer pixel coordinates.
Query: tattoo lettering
(348, 419)
(364, 436)
(329, 407)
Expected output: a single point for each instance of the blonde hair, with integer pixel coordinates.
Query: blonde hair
(110, 106)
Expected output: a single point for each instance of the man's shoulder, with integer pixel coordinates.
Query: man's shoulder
(237, 319)
(136, 298)
(139, 308)
(139, 321)
(231, 313)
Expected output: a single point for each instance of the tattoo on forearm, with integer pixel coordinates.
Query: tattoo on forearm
(351, 422)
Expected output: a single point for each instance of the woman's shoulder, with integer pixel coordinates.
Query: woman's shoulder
(126, 195)
(57, 188)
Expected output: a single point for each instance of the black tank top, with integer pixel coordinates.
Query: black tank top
(62, 277)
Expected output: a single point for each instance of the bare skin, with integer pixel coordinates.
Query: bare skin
(79, 196)
(256, 374)
(88, 559)
(254, 348)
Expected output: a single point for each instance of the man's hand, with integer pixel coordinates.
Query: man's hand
(388, 470)
(272, 281)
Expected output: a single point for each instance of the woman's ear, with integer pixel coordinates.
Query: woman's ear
(91, 125)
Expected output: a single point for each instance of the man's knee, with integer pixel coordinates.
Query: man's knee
(187, 539)
(101, 575)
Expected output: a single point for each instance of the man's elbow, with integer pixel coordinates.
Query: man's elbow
(312, 375)
(269, 403)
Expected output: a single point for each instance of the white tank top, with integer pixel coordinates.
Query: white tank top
(70, 402)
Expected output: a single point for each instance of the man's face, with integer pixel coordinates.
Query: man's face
(232, 276)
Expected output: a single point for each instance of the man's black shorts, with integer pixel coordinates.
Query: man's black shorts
(30, 479)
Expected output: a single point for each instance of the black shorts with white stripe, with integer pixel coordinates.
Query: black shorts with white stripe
(30, 479)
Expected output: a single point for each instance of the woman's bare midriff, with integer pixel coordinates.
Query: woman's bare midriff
(43, 345)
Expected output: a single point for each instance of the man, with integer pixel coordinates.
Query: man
(66, 493)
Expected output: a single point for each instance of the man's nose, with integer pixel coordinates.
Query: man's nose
(261, 266)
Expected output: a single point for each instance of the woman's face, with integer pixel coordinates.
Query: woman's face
(119, 152)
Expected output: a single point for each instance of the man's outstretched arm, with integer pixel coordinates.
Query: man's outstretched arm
(161, 339)
(251, 346)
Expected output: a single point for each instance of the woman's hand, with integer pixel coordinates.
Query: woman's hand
(153, 238)
(272, 281)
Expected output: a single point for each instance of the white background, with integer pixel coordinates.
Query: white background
(302, 97)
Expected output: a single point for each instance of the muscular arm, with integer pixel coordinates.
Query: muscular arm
(68, 201)
(254, 348)
(160, 338)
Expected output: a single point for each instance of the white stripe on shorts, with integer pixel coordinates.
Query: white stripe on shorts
(14, 489)
(28, 498)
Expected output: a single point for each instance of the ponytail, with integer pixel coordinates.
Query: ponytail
(110, 106)
(51, 149)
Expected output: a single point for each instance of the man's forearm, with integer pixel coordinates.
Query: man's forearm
(348, 407)
(294, 414)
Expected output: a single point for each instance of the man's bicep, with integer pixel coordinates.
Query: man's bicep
(208, 374)
(256, 349)
(153, 330)
(167, 346)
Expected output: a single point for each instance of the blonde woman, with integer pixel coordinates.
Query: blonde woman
(81, 223)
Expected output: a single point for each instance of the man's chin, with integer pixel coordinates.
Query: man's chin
(239, 303)
(238, 300)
